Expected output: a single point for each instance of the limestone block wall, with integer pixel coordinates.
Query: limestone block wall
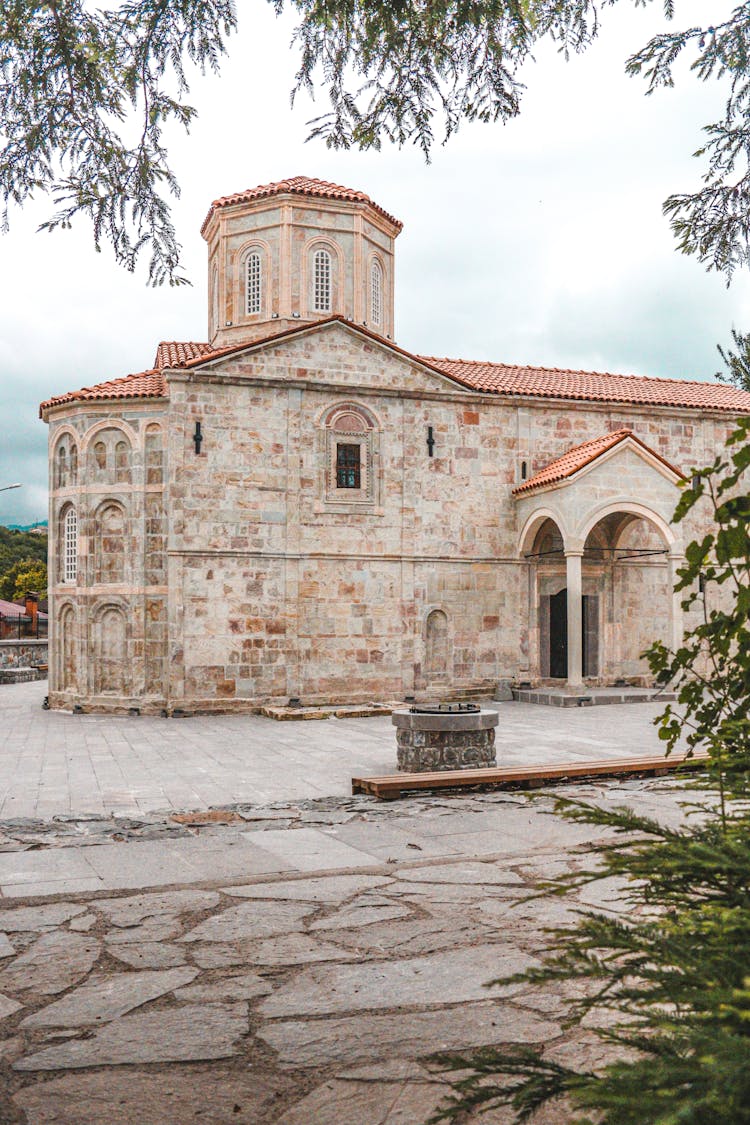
(423, 588)
(108, 645)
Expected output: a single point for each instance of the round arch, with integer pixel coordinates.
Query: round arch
(632, 508)
(532, 525)
(108, 424)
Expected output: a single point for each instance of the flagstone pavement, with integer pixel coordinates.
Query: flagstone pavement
(52, 762)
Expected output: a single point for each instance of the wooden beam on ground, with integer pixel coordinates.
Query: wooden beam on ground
(392, 786)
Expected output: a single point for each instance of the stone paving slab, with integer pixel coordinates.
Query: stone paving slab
(138, 764)
(307, 998)
(194, 1031)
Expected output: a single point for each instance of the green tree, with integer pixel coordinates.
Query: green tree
(673, 976)
(24, 576)
(16, 545)
(79, 79)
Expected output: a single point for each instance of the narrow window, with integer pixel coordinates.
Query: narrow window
(376, 294)
(70, 546)
(348, 465)
(254, 278)
(322, 280)
(62, 467)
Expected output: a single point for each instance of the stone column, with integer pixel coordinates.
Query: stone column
(675, 562)
(575, 618)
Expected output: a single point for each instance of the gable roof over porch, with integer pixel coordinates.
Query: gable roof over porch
(581, 456)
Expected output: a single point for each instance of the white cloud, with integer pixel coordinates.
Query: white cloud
(539, 242)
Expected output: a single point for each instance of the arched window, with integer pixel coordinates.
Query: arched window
(376, 294)
(215, 299)
(62, 466)
(70, 546)
(253, 283)
(351, 441)
(322, 281)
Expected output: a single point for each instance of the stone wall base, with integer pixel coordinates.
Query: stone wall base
(421, 751)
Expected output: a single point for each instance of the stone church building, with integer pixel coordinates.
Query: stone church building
(297, 508)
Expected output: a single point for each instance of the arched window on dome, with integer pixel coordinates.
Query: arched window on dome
(69, 544)
(376, 294)
(322, 281)
(253, 283)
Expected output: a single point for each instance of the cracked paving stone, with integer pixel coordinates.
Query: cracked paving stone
(248, 920)
(188, 1033)
(368, 1099)
(334, 888)
(8, 1006)
(131, 910)
(489, 873)
(213, 1097)
(39, 917)
(53, 963)
(414, 936)
(364, 915)
(237, 986)
(403, 1035)
(107, 998)
(150, 955)
(291, 949)
(439, 978)
(83, 923)
(152, 930)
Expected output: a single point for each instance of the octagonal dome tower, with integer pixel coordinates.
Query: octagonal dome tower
(299, 250)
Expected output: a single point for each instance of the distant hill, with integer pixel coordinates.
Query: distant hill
(40, 525)
(17, 545)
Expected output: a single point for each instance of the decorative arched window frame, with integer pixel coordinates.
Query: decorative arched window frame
(65, 460)
(314, 247)
(69, 545)
(101, 548)
(253, 257)
(350, 459)
(376, 294)
(110, 434)
(322, 280)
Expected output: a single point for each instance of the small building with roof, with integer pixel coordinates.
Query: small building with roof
(298, 508)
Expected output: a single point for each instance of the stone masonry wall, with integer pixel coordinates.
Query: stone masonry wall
(277, 592)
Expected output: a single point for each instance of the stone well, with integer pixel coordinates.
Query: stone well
(445, 737)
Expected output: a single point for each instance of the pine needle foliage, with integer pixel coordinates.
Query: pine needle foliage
(667, 983)
(87, 89)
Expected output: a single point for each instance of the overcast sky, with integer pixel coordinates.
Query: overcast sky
(538, 242)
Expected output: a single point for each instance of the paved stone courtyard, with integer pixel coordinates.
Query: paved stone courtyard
(310, 987)
(52, 762)
(298, 958)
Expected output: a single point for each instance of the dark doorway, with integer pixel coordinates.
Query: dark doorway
(558, 636)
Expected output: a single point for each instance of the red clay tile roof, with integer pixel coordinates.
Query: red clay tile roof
(173, 353)
(144, 384)
(581, 455)
(299, 185)
(475, 375)
(593, 386)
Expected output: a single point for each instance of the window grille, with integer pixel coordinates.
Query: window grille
(348, 465)
(70, 546)
(376, 293)
(322, 280)
(254, 284)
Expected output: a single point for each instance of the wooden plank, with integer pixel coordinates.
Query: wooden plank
(390, 786)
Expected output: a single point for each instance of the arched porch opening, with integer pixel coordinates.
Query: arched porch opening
(600, 595)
